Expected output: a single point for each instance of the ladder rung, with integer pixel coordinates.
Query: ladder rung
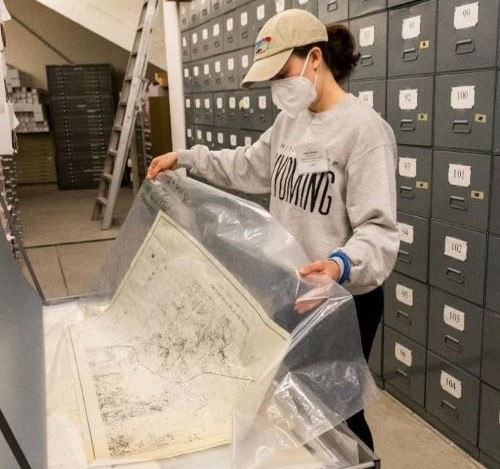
(107, 177)
(122, 103)
(128, 79)
(102, 201)
(140, 27)
(118, 128)
(112, 153)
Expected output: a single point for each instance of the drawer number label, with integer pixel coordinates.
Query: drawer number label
(451, 385)
(463, 97)
(466, 16)
(408, 167)
(459, 175)
(455, 248)
(367, 36)
(404, 294)
(411, 27)
(408, 100)
(403, 354)
(366, 97)
(454, 318)
(406, 233)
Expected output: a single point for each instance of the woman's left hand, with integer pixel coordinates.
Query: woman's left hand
(318, 273)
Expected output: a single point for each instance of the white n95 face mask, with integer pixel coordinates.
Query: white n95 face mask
(295, 94)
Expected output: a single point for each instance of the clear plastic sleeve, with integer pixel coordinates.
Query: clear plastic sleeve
(321, 379)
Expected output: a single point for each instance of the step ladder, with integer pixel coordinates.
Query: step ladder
(123, 127)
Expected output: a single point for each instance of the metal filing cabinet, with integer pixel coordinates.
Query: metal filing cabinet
(187, 78)
(232, 111)
(230, 22)
(216, 30)
(333, 11)
(493, 275)
(197, 78)
(495, 197)
(208, 109)
(405, 307)
(261, 105)
(194, 14)
(245, 109)
(245, 26)
(414, 246)
(220, 109)
(186, 47)
(189, 136)
(218, 83)
(207, 74)
(457, 259)
(412, 39)
(414, 180)
(205, 41)
(247, 138)
(189, 109)
(230, 71)
(490, 370)
(455, 330)
(198, 109)
(205, 11)
(220, 139)
(404, 366)
(461, 192)
(209, 138)
(452, 395)
(232, 138)
(228, 5)
(465, 35)
(184, 10)
(262, 11)
(371, 92)
(198, 135)
(464, 111)
(309, 5)
(409, 109)
(217, 7)
(489, 424)
(363, 7)
(195, 44)
(370, 34)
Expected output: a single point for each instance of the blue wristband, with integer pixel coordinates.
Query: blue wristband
(347, 265)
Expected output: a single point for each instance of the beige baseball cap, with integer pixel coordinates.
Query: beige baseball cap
(277, 39)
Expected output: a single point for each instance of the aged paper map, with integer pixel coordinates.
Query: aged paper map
(162, 368)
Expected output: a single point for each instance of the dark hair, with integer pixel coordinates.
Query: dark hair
(339, 52)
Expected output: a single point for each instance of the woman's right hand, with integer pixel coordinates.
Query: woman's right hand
(162, 163)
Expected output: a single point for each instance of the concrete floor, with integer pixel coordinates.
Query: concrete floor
(67, 249)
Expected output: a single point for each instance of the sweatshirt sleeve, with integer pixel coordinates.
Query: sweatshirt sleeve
(247, 169)
(371, 207)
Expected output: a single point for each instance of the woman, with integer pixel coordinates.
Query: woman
(328, 160)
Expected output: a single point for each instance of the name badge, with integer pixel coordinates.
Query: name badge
(311, 158)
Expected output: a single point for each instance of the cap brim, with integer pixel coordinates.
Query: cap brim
(265, 69)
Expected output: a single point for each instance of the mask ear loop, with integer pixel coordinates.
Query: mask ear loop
(304, 69)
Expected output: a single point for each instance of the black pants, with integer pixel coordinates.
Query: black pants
(369, 308)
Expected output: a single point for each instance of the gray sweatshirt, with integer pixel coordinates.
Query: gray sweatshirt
(351, 207)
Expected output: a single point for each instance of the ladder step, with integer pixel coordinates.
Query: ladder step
(128, 79)
(107, 177)
(102, 201)
(112, 153)
(117, 128)
(122, 103)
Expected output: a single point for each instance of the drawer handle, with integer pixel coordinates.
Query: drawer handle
(407, 192)
(453, 343)
(402, 376)
(409, 55)
(205, 47)
(458, 203)
(404, 317)
(454, 275)
(404, 256)
(450, 409)
(465, 46)
(332, 6)
(461, 127)
(407, 125)
(366, 60)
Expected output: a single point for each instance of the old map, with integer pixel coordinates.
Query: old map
(162, 368)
